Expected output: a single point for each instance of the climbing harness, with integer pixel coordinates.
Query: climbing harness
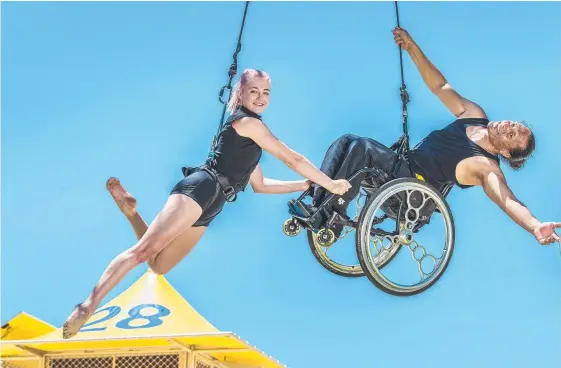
(227, 188)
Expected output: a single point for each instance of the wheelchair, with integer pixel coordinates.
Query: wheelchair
(409, 203)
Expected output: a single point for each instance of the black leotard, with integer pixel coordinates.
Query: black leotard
(235, 157)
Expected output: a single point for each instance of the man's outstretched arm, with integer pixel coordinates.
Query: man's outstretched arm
(495, 186)
(435, 81)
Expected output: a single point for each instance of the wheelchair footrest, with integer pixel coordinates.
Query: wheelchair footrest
(309, 216)
(298, 208)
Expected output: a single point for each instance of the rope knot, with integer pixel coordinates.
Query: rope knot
(404, 95)
(233, 70)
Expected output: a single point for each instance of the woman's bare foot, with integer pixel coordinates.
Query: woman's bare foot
(74, 323)
(125, 201)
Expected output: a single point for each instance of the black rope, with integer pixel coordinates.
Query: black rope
(403, 89)
(402, 145)
(232, 71)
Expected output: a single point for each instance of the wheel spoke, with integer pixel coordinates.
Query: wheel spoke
(419, 254)
(411, 204)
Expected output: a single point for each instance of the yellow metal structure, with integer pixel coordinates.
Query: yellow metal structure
(148, 325)
(25, 326)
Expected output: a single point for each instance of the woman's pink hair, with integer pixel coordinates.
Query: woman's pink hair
(236, 99)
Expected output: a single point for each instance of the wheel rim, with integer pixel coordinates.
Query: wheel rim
(352, 269)
(291, 228)
(406, 238)
(321, 252)
(380, 259)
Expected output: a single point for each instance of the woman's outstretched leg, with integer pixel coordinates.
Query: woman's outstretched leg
(127, 204)
(179, 214)
(175, 251)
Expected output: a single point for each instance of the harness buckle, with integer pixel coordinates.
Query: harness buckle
(224, 184)
(230, 193)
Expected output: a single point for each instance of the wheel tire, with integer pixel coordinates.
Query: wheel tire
(362, 223)
(356, 272)
(286, 230)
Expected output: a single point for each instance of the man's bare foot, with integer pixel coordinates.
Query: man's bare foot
(74, 323)
(125, 201)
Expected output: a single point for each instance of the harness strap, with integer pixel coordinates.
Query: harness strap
(224, 183)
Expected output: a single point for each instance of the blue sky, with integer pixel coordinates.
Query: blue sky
(93, 90)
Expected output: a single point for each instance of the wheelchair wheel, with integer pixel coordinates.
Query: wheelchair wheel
(338, 268)
(320, 252)
(417, 205)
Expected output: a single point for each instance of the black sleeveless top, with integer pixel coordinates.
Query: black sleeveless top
(437, 156)
(235, 156)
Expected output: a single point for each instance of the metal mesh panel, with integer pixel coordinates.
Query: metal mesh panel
(117, 361)
(148, 361)
(93, 362)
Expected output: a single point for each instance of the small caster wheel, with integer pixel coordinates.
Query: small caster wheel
(291, 227)
(325, 237)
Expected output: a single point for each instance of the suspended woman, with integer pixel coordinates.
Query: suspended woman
(200, 196)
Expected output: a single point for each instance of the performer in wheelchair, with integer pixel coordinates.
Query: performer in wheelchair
(465, 153)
